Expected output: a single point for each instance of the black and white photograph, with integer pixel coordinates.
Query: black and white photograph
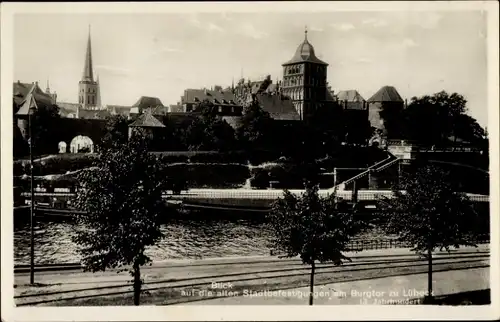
(285, 155)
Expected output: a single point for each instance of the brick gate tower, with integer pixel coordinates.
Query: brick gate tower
(304, 80)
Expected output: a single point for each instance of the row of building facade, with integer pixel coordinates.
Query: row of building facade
(303, 90)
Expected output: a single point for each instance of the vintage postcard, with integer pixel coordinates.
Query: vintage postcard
(249, 161)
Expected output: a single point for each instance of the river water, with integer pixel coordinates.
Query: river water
(187, 239)
(184, 239)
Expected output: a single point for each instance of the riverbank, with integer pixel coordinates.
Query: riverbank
(182, 281)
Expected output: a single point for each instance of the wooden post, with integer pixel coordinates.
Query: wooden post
(354, 192)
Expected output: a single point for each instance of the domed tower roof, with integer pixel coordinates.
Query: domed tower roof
(305, 53)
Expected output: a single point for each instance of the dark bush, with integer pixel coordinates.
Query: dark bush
(209, 175)
(352, 157)
(260, 156)
(260, 178)
(58, 164)
(207, 158)
(20, 167)
(172, 158)
(225, 157)
(63, 163)
(286, 175)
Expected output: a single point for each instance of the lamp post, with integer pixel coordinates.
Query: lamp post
(32, 204)
(27, 108)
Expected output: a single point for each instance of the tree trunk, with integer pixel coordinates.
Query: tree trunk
(137, 284)
(311, 289)
(429, 277)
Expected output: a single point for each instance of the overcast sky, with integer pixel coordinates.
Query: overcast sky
(163, 54)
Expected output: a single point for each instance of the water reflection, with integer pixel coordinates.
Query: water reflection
(187, 239)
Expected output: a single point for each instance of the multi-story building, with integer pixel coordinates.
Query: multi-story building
(224, 101)
(304, 80)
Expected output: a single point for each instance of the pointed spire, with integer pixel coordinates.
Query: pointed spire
(87, 70)
(47, 90)
(305, 33)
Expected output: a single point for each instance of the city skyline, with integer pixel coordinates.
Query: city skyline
(163, 54)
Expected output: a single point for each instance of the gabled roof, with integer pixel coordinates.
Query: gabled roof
(278, 108)
(386, 94)
(351, 95)
(233, 121)
(20, 90)
(305, 53)
(146, 119)
(160, 110)
(28, 104)
(147, 101)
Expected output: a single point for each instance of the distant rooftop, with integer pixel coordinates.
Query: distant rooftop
(386, 94)
(147, 120)
(351, 95)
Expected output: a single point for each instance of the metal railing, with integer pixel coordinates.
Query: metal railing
(373, 168)
(385, 166)
(269, 194)
(428, 148)
(358, 245)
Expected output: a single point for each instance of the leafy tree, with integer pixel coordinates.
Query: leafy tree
(468, 129)
(254, 130)
(312, 227)
(44, 129)
(358, 130)
(428, 213)
(121, 198)
(444, 116)
(116, 131)
(207, 131)
(392, 114)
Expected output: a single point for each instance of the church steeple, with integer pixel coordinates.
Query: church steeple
(88, 74)
(88, 88)
(47, 90)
